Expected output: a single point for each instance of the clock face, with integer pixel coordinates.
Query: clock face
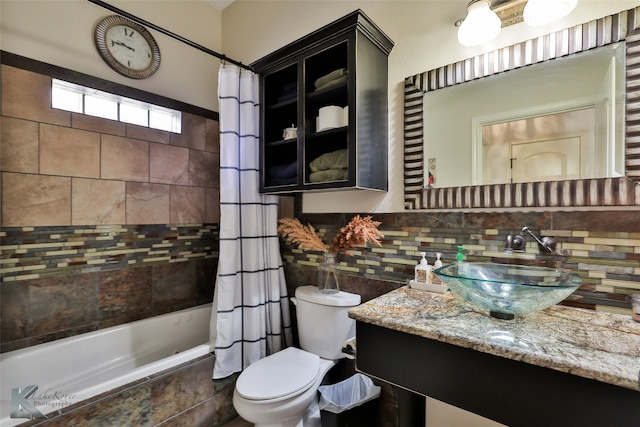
(127, 47)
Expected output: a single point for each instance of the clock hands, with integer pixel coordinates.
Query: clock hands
(119, 43)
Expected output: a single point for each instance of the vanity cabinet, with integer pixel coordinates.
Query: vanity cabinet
(332, 86)
(557, 367)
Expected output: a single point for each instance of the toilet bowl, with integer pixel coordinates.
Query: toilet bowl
(276, 390)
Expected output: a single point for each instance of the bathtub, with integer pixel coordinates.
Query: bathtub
(77, 368)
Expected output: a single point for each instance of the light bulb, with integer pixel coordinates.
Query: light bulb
(542, 12)
(480, 26)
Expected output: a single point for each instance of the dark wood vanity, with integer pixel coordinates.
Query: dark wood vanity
(558, 367)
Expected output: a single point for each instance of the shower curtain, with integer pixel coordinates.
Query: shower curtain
(250, 317)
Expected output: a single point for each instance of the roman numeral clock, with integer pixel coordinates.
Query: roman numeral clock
(127, 47)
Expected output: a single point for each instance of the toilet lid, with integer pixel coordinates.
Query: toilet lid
(285, 372)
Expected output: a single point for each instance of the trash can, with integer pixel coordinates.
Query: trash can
(349, 403)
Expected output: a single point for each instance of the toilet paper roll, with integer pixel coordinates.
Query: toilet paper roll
(330, 117)
(349, 348)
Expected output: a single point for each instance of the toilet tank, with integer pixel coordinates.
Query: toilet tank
(323, 321)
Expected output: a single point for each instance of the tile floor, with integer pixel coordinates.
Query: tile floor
(238, 422)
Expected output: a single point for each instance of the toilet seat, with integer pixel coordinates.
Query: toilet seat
(278, 376)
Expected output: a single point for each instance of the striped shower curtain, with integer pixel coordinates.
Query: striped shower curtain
(250, 317)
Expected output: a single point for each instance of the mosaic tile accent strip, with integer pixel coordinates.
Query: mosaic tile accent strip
(603, 192)
(38, 252)
(607, 260)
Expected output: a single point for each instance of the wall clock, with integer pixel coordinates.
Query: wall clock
(127, 47)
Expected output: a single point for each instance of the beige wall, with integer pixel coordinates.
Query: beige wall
(60, 32)
(424, 36)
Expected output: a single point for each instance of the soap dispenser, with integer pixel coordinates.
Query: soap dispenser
(463, 267)
(436, 264)
(423, 270)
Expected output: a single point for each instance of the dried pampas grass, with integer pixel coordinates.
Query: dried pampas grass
(356, 233)
(304, 236)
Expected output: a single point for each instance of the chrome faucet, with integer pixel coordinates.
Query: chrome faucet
(517, 243)
(514, 243)
(546, 243)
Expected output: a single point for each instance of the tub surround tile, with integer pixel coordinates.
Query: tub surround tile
(124, 159)
(125, 295)
(131, 407)
(203, 414)
(168, 294)
(147, 203)
(206, 272)
(97, 124)
(69, 152)
(212, 132)
(195, 138)
(187, 205)
(174, 393)
(14, 309)
(136, 403)
(45, 142)
(35, 199)
(204, 169)
(55, 304)
(97, 201)
(53, 264)
(169, 164)
(147, 134)
(212, 209)
(599, 346)
(27, 95)
(18, 145)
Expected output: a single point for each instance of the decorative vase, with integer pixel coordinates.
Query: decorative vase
(327, 278)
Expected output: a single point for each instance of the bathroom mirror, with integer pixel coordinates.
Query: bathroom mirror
(468, 164)
(554, 120)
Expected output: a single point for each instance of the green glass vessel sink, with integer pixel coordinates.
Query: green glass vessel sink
(507, 290)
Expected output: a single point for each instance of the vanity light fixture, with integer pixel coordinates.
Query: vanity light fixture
(542, 12)
(481, 24)
(485, 17)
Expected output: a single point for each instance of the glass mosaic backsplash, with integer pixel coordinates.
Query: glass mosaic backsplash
(603, 247)
(38, 252)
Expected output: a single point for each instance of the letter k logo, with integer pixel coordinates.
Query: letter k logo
(21, 407)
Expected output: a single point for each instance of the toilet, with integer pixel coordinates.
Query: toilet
(276, 391)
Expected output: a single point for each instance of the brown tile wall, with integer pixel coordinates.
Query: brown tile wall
(182, 396)
(603, 247)
(102, 221)
(61, 168)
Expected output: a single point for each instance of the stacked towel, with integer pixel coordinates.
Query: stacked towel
(329, 175)
(331, 166)
(289, 91)
(331, 79)
(283, 174)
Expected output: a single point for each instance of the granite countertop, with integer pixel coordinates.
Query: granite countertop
(600, 346)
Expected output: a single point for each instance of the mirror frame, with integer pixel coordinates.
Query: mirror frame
(620, 191)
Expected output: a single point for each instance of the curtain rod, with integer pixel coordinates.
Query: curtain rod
(169, 33)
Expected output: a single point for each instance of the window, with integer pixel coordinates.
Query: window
(84, 100)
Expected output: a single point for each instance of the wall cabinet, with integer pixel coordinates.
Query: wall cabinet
(332, 86)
